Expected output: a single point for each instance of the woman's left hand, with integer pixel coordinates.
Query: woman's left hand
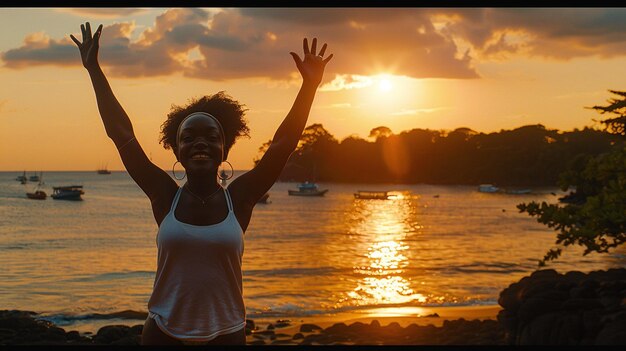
(312, 67)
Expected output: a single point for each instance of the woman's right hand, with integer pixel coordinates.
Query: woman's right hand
(89, 47)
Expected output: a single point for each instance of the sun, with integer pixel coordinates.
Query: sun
(384, 84)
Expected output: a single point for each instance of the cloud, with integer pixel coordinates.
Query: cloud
(104, 13)
(414, 42)
(557, 33)
(347, 82)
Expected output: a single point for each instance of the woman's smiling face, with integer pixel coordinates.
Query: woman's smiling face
(200, 144)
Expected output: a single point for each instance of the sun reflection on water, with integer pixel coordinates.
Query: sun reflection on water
(383, 231)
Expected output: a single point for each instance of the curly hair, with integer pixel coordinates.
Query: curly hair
(229, 112)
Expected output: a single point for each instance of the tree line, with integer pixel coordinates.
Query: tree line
(531, 155)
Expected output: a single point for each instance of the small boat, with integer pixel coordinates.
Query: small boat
(488, 188)
(22, 178)
(372, 195)
(307, 189)
(34, 178)
(103, 170)
(265, 199)
(37, 195)
(71, 192)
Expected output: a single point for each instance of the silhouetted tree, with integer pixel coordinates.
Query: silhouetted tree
(593, 215)
(380, 132)
(616, 125)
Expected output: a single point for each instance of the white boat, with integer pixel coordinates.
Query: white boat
(307, 189)
(488, 188)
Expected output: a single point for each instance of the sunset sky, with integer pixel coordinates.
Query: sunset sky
(442, 68)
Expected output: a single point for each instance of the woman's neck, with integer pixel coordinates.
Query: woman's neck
(203, 186)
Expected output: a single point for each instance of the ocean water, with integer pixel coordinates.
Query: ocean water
(76, 262)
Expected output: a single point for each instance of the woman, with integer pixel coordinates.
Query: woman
(197, 296)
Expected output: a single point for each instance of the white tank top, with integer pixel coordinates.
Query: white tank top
(198, 292)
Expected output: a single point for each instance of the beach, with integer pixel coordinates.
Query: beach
(544, 308)
(471, 325)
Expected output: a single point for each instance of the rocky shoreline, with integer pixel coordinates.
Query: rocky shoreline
(22, 328)
(545, 308)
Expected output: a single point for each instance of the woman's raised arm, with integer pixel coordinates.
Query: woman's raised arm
(257, 181)
(151, 179)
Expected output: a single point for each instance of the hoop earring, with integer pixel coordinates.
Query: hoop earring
(174, 172)
(219, 173)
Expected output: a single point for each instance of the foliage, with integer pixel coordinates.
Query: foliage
(594, 214)
(526, 156)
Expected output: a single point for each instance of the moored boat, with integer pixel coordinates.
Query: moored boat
(373, 195)
(22, 178)
(307, 189)
(71, 192)
(37, 195)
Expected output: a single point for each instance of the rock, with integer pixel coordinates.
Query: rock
(250, 324)
(544, 273)
(575, 276)
(111, 333)
(298, 336)
(393, 329)
(73, 335)
(283, 342)
(582, 292)
(137, 329)
(534, 307)
(337, 328)
(358, 328)
(612, 333)
(581, 304)
(307, 328)
(281, 323)
(570, 309)
(309, 339)
(6, 334)
(127, 340)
